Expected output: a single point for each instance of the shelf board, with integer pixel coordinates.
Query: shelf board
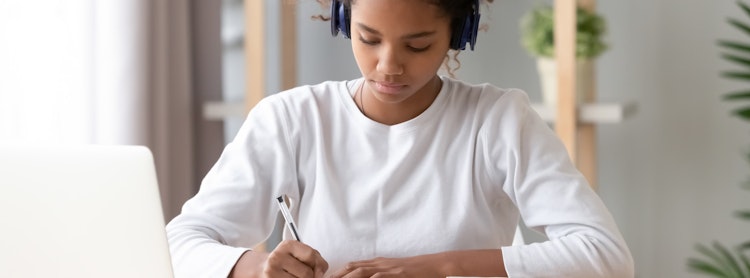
(218, 110)
(598, 113)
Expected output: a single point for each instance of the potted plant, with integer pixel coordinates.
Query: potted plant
(717, 259)
(537, 29)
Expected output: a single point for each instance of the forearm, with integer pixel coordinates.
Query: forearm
(249, 265)
(197, 254)
(486, 263)
(575, 255)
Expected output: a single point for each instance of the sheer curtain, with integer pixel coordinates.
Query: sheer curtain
(103, 72)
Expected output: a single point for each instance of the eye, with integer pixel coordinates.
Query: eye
(367, 42)
(418, 49)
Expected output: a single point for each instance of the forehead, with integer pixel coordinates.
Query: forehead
(398, 15)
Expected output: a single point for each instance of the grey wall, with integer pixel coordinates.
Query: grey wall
(670, 175)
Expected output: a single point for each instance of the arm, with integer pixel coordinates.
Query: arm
(477, 263)
(553, 198)
(234, 209)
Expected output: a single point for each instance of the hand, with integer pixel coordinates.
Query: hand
(418, 266)
(289, 259)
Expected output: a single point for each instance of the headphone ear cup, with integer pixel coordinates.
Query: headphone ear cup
(339, 19)
(458, 41)
(466, 31)
(346, 22)
(334, 17)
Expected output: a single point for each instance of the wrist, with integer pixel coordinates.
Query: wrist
(249, 264)
(443, 264)
(486, 263)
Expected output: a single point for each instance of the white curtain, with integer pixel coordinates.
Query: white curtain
(102, 72)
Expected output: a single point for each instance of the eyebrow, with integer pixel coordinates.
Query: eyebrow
(409, 36)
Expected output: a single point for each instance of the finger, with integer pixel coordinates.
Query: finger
(384, 275)
(321, 266)
(283, 258)
(299, 269)
(307, 255)
(274, 269)
(350, 267)
(340, 273)
(362, 272)
(278, 273)
(360, 264)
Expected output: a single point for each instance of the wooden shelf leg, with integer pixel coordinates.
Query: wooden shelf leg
(565, 37)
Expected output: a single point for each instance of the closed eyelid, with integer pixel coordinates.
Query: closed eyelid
(418, 46)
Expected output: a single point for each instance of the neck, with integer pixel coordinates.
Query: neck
(395, 113)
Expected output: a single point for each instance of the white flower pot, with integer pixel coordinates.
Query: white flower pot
(548, 76)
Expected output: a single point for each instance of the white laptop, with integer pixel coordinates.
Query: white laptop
(89, 211)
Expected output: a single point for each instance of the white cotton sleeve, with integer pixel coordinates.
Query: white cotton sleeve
(553, 198)
(235, 209)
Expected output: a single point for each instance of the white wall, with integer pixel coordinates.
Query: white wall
(671, 174)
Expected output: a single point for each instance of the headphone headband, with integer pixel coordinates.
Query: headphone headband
(465, 32)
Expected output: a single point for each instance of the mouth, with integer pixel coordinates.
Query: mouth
(388, 87)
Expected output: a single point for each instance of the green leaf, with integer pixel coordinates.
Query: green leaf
(729, 260)
(737, 59)
(742, 26)
(697, 265)
(537, 32)
(745, 263)
(742, 75)
(714, 256)
(735, 46)
(744, 246)
(743, 113)
(744, 7)
(737, 95)
(745, 215)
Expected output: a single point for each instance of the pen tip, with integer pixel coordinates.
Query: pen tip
(280, 198)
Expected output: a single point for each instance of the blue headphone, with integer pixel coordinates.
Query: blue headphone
(465, 32)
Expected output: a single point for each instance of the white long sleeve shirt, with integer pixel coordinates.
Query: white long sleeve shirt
(456, 177)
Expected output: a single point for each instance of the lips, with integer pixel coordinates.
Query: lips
(389, 87)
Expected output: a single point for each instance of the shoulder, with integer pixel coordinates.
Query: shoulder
(486, 98)
(327, 89)
(321, 94)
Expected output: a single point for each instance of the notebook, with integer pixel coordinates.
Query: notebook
(89, 211)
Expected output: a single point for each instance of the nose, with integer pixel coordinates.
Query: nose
(389, 62)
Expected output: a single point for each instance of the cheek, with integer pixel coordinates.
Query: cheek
(429, 63)
(365, 57)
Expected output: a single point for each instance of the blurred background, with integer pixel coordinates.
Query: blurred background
(146, 72)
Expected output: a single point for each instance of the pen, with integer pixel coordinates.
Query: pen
(287, 217)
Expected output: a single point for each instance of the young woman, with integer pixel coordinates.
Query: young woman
(402, 173)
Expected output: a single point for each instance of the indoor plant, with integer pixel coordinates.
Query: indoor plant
(537, 36)
(717, 259)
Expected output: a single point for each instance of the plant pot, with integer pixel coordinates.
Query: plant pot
(547, 69)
